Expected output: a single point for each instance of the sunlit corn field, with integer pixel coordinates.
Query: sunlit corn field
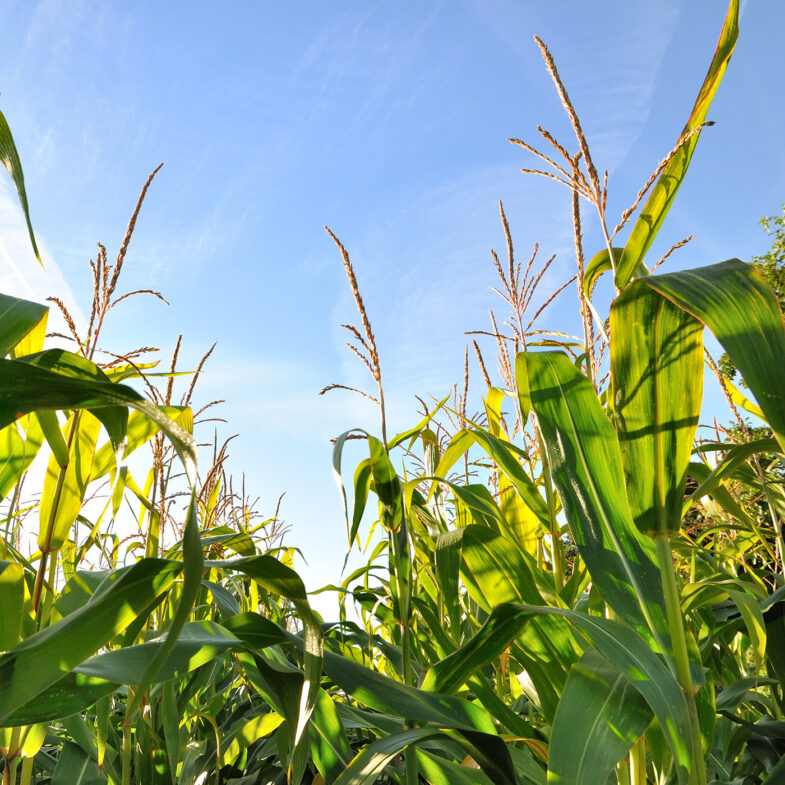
(562, 582)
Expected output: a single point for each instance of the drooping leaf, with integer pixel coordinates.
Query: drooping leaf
(617, 642)
(599, 263)
(113, 418)
(506, 457)
(329, 743)
(10, 159)
(63, 496)
(440, 771)
(735, 456)
(17, 317)
(285, 582)
(489, 751)
(25, 387)
(139, 431)
(392, 697)
(733, 301)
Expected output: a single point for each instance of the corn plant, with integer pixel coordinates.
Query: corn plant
(565, 604)
(569, 585)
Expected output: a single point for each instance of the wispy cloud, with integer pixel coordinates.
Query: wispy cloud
(611, 84)
(20, 273)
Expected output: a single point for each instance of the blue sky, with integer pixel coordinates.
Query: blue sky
(387, 121)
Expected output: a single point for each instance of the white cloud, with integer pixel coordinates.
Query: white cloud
(20, 273)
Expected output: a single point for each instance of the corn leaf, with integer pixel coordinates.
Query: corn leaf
(45, 657)
(600, 716)
(17, 318)
(10, 159)
(656, 392)
(658, 204)
(733, 301)
(587, 470)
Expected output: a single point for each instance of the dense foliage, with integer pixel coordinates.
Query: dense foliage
(566, 587)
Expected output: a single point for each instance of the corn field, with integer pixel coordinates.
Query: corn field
(566, 585)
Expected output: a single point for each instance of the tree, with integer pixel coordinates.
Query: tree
(771, 266)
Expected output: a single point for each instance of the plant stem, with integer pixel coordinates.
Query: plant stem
(557, 558)
(679, 650)
(45, 551)
(27, 771)
(638, 762)
(127, 742)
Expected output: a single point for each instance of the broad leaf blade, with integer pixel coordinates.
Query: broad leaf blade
(733, 301)
(587, 470)
(17, 319)
(600, 716)
(43, 658)
(657, 388)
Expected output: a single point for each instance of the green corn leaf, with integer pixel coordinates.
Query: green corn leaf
(113, 418)
(10, 158)
(26, 387)
(16, 453)
(617, 642)
(64, 489)
(744, 402)
(658, 204)
(329, 744)
(284, 581)
(495, 571)
(506, 457)
(17, 319)
(362, 486)
(199, 642)
(735, 456)
(12, 606)
(656, 390)
(104, 674)
(193, 560)
(248, 732)
(490, 753)
(600, 716)
(45, 657)
(50, 425)
(497, 567)
(733, 301)
(392, 697)
(547, 639)
(413, 433)
(599, 263)
(440, 771)
(75, 767)
(586, 467)
(170, 721)
(447, 555)
(477, 501)
(139, 431)
(522, 524)
(386, 485)
(493, 411)
(368, 765)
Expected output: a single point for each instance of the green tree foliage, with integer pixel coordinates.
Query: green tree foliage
(771, 266)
